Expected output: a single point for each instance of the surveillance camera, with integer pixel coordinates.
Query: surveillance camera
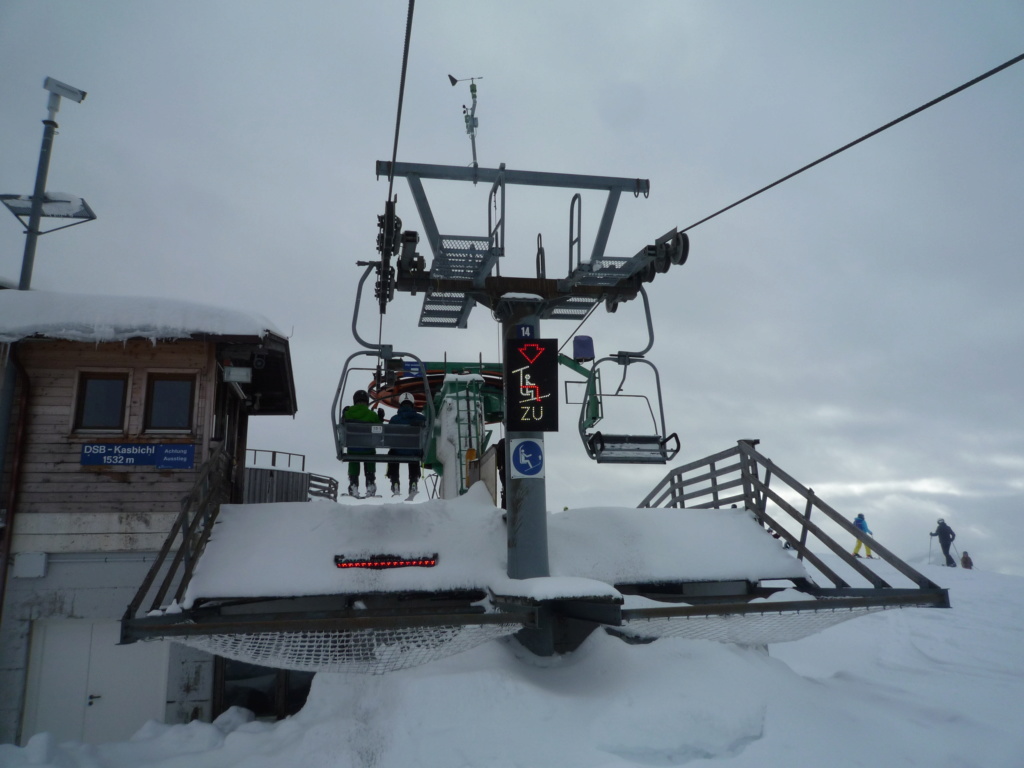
(63, 89)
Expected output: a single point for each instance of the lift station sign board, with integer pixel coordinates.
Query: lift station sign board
(531, 385)
(159, 455)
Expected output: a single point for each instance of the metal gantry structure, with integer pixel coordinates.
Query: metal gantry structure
(466, 270)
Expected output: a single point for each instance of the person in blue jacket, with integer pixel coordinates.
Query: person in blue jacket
(407, 414)
(862, 524)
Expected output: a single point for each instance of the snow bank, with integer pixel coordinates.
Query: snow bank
(913, 687)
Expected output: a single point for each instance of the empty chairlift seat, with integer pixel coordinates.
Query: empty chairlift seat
(632, 449)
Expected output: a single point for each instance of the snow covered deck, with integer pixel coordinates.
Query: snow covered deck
(288, 549)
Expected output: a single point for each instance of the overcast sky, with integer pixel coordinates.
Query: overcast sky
(863, 320)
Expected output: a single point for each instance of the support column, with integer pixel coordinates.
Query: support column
(526, 497)
(38, 195)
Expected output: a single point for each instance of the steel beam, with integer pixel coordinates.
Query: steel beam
(525, 178)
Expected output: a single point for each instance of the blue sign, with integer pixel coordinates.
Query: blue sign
(525, 331)
(176, 456)
(159, 455)
(527, 458)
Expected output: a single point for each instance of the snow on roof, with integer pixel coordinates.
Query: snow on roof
(57, 204)
(288, 549)
(79, 317)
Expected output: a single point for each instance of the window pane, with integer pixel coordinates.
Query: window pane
(169, 405)
(101, 402)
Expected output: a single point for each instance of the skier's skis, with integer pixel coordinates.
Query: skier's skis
(412, 495)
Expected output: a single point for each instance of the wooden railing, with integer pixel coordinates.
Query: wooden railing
(323, 486)
(258, 479)
(187, 538)
(742, 477)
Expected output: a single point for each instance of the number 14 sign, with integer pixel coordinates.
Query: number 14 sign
(531, 385)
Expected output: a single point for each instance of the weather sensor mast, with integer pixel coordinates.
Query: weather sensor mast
(469, 113)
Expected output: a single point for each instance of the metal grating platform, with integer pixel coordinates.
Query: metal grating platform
(574, 308)
(610, 270)
(460, 257)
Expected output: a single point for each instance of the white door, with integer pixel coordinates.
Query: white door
(83, 686)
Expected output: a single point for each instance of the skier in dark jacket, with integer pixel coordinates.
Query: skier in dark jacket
(946, 537)
(965, 561)
(407, 414)
(360, 411)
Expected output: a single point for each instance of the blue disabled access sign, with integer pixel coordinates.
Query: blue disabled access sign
(527, 458)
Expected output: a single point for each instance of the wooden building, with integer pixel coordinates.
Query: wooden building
(111, 407)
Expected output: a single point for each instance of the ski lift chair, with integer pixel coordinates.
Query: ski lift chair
(654, 447)
(353, 439)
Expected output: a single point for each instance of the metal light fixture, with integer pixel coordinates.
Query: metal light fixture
(39, 204)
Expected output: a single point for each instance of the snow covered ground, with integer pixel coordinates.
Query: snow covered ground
(917, 687)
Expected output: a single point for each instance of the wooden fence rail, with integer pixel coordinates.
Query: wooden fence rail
(741, 476)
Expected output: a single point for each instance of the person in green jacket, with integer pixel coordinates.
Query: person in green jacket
(360, 411)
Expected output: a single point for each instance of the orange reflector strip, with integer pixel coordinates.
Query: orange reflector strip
(380, 562)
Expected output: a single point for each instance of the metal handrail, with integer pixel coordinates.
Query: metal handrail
(273, 457)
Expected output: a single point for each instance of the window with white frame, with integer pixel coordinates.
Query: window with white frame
(102, 400)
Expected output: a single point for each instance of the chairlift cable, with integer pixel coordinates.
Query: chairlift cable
(866, 136)
(401, 97)
(398, 126)
(932, 103)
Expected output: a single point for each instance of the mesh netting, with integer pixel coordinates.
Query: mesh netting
(742, 629)
(367, 651)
